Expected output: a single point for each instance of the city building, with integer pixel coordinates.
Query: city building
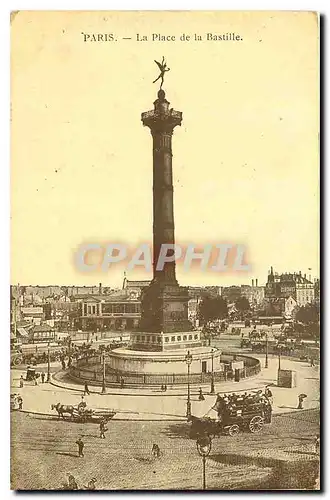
(317, 292)
(135, 287)
(42, 333)
(113, 312)
(278, 309)
(32, 314)
(287, 285)
(231, 293)
(253, 293)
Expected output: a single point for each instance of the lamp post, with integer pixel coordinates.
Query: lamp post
(266, 359)
(104, 390)
(212, 375)
(279, 358)
(204, 445)
(188, 359)
(48, 363)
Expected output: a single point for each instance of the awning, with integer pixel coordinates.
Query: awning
(22, 332)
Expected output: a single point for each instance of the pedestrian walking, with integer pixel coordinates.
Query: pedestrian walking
(35, 380)
(103, 429)
(162, 388)
(21, 382)
(312, 362)
(165, 387)
(301, 398)
(269, 395)
(42, 377)
(81, 445)
(201, 395)
(155, 450)
(122, 382)
(20, 402)
(86, 389)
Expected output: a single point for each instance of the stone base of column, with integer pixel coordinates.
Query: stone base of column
(165, 308)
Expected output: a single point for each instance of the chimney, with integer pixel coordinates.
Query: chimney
(305, 275)
(100, 288)
(252, 282)
(310, 277)
(257, 282)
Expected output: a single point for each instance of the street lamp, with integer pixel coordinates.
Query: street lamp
(266, 360)
(188, 359)
(204, 445)
(104, 390)
(48, 364)
(212, 376)
(279, 358)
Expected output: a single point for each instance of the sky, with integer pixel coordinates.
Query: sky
(245, 160)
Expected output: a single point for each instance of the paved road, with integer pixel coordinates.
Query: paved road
(44, 450)
(138, 404)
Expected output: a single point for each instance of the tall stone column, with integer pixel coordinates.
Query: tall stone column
(161, 122)
(164, 304)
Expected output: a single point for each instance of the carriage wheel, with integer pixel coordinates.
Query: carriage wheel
(256, 424)
(17, 361)
(233, 430)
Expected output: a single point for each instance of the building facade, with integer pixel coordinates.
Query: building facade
(293, 285)
(115, 312)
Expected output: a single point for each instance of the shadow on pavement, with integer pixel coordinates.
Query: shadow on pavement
(67, 454)
(175, 431)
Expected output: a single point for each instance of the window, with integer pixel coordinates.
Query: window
(190, 337)
(185, 337)
(142, 338)
(154, 338)
(172, 339)
(159, 340)
(166, 339)
(138, 338)
(195, 337)
(179, 339)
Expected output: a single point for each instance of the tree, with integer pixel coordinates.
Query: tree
(212, 308)
(242, 304)
(308, 314)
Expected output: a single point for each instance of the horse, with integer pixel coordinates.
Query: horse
(62, 409)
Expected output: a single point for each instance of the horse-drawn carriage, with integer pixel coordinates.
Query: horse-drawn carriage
(80, 413)
(232, 414)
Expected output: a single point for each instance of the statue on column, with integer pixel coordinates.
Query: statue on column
(163, 68)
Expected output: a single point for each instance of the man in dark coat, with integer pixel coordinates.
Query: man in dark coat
(81, 445)
(20, 402)
(103, 428)
(301, 398)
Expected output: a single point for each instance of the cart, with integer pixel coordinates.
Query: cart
(92, 416)
(249, 413)
(31, 374)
